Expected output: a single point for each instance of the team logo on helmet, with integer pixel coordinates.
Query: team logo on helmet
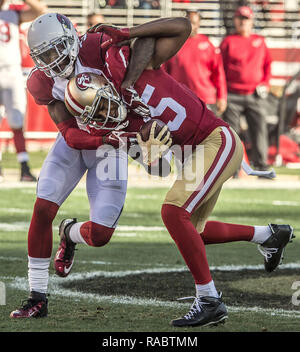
(83, 80)
(64, 21)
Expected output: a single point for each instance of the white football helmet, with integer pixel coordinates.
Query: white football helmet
(95, 101)
(54, 44)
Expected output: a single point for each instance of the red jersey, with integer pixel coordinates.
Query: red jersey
(247, 62)
(90, 58)
(199, 65)
(187, 117)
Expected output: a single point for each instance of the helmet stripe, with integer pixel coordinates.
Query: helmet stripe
(71, 110)
(72, 103)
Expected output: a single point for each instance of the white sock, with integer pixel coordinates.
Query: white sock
(23, 156)
(261, 234)
(74, 233)
(207, 290)
(38, 274)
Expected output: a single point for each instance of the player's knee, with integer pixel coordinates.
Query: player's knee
(45, 210)
(171, 214)
(108, 214)
(98, 235)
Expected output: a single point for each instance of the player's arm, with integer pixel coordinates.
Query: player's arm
(142, 50)
(35, 9)
(75, 137)
(170, 35)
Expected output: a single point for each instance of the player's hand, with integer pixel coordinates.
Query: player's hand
(116, 34)
(119, 139)
(155, 147)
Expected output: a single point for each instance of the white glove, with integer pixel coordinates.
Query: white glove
(155, 147)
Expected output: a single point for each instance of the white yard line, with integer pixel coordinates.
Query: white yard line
(248, 182)
(23, 226)
(124, 228)
(56, 289)
(21, 283)
(161, 269)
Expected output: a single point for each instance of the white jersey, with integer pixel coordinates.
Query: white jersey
(9, 39)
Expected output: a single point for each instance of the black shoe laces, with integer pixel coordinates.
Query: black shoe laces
(28, 303)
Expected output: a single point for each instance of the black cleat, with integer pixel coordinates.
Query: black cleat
(26, 175)
(273, 248)
(36, 306)
(204, 311)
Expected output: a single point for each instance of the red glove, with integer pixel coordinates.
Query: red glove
(119, 139)
(117, 34)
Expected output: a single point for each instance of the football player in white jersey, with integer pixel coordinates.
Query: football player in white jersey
(59, 53)
(12, 91)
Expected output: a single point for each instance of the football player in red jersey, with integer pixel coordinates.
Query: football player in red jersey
(192, 197)
(59, 53)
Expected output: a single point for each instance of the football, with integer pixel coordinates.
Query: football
(146, 128)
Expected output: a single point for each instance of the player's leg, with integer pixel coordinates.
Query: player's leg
(234, 110)
(61, 171)
(106, 192)
(222, 156)
(15, 106)
(257, 125)
(213, 232)
(271, 239)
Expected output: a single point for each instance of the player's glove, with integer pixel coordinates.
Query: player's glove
(119, 139)
(116, 34)
(155, 147)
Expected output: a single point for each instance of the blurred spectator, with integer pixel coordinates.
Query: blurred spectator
(247, 65)
(93, 18)
(199, 66)
(149, 4)
(12, 90)
(26, 61)
(112, 3)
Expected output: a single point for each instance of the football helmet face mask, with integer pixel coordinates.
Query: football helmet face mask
(95, 101)
(54, 44)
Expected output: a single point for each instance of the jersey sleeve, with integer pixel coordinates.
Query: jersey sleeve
(40, 87)
(91, 54)
(116, 62)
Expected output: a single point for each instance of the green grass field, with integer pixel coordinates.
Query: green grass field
(132, 284)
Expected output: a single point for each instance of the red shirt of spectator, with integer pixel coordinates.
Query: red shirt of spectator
(199, 66)
(246, 58)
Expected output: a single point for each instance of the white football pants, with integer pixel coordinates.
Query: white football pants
(106, 179)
